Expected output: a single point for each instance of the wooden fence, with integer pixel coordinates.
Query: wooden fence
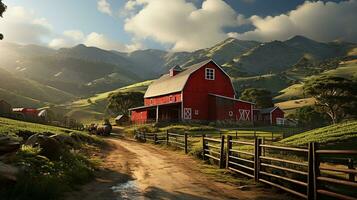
(174, 139)
(303, 178)
(213, 148)
(309, 173)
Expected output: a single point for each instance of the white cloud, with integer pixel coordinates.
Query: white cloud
(104, 7)
(317, 20)
(99, 40)
(75, 35)
(70, 38)
(180, 23)
(23, 26)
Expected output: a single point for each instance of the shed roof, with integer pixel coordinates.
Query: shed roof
(267, 110)
(167, 84)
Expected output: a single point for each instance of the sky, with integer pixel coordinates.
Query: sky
(174, 25)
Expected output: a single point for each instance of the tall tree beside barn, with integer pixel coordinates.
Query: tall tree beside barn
(261, 97)
(2, 10)
(119, 103)
(335, 96)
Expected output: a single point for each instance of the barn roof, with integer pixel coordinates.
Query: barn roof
(167, 84)
(229, 98)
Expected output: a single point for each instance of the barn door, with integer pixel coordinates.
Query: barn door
(187, 113)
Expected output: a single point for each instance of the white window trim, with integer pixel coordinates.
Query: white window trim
(213, 74)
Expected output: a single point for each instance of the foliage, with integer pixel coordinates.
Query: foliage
(41, 177)
(263, 98)
(335, 96)
(119, 103)
(343, 133)
(46, 179)
(2, 10)
(307, 116)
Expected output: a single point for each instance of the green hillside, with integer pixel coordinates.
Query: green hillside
(272, 82)
(21, 91)
(93, 110)
(330, 135)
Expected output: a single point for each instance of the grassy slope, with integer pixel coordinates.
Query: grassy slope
(93, 112)
(20, 91)
(330, 135)
(12, 127)
(271, 82)
(291, 97)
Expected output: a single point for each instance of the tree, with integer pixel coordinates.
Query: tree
(335, 96)
(309, 117)
(2, 10)
(261, 97)
(119, 103)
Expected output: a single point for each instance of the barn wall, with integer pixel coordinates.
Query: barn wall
(197, 88)
(139, 116)
(277, 113)
(170, 98)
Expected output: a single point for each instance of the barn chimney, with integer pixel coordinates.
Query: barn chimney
(175, 70)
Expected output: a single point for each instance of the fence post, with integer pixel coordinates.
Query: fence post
(203, 146)
(229, 147)
(313, 169)
(272, 136)
(221, 155)
(186, 143)
(144, 136)
(351, 176)
(255, 133)
(167, 137)
(262, 149)
(236, 134)
(155, 138)
(257, 154)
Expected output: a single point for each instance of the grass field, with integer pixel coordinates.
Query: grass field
(336, 135)
(291, 105)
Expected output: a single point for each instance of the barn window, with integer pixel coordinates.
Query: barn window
(196, 112)
(209, 74)
(171, 98)
(151, 102)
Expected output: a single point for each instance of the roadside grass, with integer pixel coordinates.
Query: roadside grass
(44, 178)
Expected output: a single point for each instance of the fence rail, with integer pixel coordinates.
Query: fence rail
(207, 152)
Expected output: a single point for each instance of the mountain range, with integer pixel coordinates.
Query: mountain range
(36, 75)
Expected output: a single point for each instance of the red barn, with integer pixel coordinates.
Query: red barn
(201, 92)
(30, 114)
(273, 116)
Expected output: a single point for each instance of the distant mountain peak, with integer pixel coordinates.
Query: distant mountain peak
(79, 46)
(300, 38)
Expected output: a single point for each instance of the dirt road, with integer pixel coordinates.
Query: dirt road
(141, 171)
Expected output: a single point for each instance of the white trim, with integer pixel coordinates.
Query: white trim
(273, 109)
(209, 70)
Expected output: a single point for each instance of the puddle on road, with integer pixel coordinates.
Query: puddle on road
(128, 191)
